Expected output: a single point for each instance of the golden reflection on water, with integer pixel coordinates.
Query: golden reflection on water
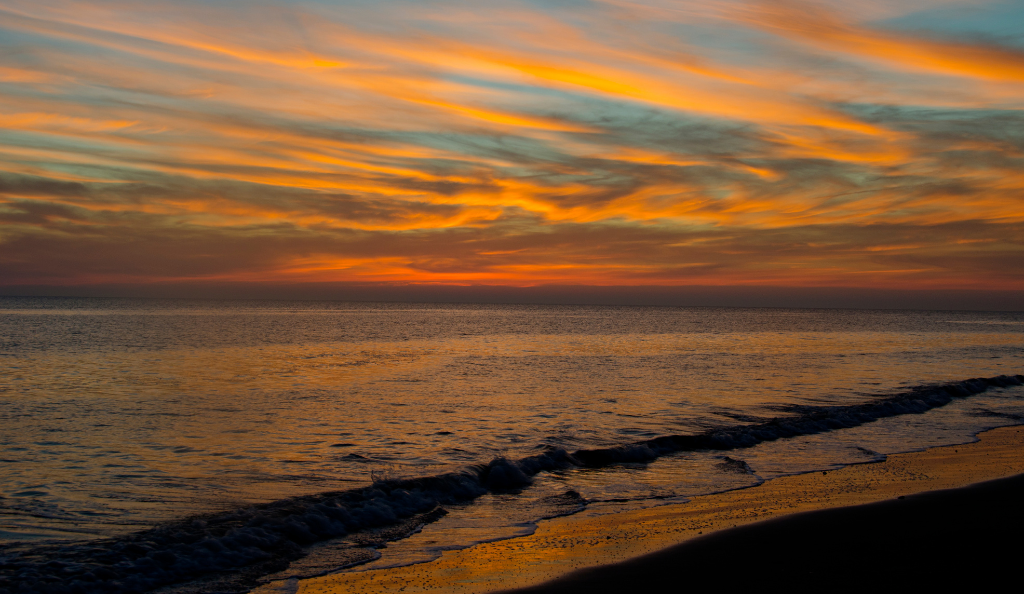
(203, 427)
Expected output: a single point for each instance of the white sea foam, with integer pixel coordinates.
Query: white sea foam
(240, 546)
(195, 437)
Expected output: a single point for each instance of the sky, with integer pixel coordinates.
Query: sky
(733, 145)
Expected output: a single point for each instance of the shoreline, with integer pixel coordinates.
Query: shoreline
(561, 546)
(968, 535)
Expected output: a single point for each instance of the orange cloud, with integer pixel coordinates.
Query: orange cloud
(810, 23)
(520, 144)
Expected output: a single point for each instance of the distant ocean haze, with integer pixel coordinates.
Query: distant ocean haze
(121, 415)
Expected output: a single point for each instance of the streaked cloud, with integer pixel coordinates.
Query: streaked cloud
(825, 30)
(585, 142)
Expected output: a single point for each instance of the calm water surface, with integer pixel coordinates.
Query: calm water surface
(119, 415)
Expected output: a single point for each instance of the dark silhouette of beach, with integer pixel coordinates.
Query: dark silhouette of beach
(973, 536)
(948, 516)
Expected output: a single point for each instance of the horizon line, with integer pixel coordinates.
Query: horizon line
(726, 296)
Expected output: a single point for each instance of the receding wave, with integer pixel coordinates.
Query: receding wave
(808, 421)
(230, 551)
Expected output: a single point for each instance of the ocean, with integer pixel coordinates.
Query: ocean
(221, 446)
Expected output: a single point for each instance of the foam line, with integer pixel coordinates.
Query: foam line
(809, 421)
(262, 539)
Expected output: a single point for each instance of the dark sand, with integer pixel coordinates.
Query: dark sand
(845, 529)
(971, 536)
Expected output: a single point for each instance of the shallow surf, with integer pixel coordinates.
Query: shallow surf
(214, 446)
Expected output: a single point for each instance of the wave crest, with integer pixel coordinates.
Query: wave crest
(262, 539)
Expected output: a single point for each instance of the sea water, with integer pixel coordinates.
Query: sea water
(217, 446)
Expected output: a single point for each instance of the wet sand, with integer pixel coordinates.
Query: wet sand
(927, 537)
(967, 536)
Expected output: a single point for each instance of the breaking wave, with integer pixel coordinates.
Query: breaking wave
(232, 550)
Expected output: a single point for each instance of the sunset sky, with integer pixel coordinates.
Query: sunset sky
(868, 144)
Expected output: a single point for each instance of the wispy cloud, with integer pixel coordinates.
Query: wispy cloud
(603, 143)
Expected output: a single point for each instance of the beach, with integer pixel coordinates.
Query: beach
(281, 447)
(474, 297)
(969, 535)
(919, 517)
